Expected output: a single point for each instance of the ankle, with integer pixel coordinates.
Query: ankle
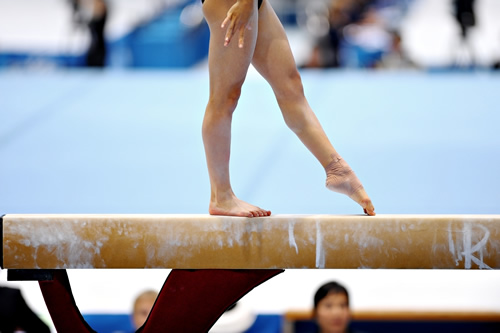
(221, 196)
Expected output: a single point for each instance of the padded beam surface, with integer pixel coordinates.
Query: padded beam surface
(278, 241)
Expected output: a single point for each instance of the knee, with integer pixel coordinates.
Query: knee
(291, 88)
(230, 100)
(223, 103)
(293, 104)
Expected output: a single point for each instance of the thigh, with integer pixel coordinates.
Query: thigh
(273, 57)
(228, 65)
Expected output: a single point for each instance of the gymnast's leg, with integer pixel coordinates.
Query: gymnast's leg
(228, 64)
(274, 61)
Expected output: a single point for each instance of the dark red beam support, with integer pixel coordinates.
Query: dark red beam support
(61, 304)
(190, 300)
(193, 300)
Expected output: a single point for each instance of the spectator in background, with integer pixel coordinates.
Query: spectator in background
(496, 65)
(465, 16)
(15, 314)
(367, 40)
(341, 13)
(396, 57)
(331, 308)
(142, 307)
(93, 13)
(362, 34)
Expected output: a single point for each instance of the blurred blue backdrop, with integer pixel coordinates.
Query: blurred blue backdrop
(130, 142)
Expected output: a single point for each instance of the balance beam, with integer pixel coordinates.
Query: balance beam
(275, 242)
(215, 260)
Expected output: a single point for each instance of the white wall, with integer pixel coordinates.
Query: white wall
(431, 36)
(47, 25)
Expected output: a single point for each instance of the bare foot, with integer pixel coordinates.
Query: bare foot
(236, 207)
(342, 179)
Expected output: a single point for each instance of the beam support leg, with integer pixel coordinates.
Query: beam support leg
(193, 300)
(189, 301)
(61, 304)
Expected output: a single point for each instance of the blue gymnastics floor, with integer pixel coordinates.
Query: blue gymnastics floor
(130, 142)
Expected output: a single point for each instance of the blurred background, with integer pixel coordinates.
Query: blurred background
(101, 104)
(323, 33)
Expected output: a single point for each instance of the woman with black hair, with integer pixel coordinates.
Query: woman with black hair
(331, 309)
